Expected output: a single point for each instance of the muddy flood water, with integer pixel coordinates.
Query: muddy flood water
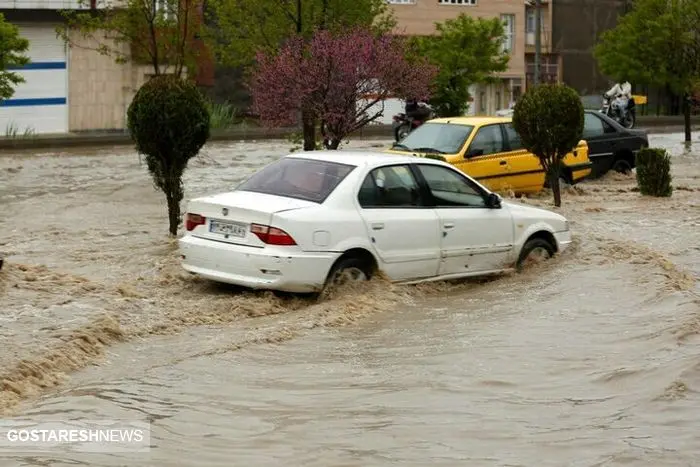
(590, 360)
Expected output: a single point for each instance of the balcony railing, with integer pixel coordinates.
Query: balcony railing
(44, 4)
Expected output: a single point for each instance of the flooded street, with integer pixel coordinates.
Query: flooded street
(592, 359)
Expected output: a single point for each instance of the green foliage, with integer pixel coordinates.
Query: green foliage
(145, 31)
(12, 54)
(241, 28)
(549, 119)
(222, 115)
(14, 131)
(654, 172)
(657, 43)
(169, 122)
(466, 50)
(297, 140)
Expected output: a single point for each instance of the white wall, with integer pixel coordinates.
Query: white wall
(39, 105)
(391, 108)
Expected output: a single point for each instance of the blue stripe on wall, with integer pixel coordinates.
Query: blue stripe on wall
(33, 102)
(39, 66)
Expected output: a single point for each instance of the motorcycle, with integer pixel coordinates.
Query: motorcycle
(402, 125)
(613, 109)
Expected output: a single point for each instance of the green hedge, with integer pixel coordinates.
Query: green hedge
(654, 172)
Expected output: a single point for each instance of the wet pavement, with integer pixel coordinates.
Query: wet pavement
(590, 360)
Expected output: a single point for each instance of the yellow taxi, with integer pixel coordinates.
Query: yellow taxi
(489, 150)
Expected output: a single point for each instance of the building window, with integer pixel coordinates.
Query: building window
(530, 26)
(401, 2)
(482, 101)
(509, 33)
(166, 8)
(457, 2)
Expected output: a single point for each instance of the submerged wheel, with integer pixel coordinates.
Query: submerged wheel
(535, 251)
(347, 271)
(622, 166)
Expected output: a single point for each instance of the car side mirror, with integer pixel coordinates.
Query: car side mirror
(475, 152)
(493, 201)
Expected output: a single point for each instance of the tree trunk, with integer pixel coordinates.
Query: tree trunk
(686, 116)
(308, 130)
(554, 184)
(333, 143)
(173, 213)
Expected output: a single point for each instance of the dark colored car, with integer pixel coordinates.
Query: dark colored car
(610, 145)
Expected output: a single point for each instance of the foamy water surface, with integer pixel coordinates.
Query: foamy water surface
(590, 360)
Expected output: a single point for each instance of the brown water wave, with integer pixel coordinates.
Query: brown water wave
(597, 350)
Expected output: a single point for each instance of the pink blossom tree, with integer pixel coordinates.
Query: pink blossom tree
(341, 78)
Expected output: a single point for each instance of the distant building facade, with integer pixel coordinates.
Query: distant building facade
(418, 17)
(69, 89)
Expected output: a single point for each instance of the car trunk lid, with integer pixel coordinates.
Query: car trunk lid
(228, 216)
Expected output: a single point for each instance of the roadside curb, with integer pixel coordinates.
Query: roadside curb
(661, 124)
(74, 140)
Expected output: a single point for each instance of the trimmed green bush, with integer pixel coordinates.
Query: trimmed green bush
(169, 121)
(549, 120)
(654, 172)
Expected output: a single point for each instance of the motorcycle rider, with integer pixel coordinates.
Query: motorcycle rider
(622, 92)
(415, 110)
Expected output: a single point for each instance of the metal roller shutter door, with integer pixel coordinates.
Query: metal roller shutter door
(40, 104)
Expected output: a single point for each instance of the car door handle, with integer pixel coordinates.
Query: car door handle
(448, 225)
(377, 226)
(503, 162)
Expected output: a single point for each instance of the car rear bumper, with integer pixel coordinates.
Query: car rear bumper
(256, 268)
(563, 240)
(580, 171)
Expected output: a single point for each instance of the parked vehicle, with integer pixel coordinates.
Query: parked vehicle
(309, 219)
(613, 108)
(402, 124)
(489, 150)
(610, 145)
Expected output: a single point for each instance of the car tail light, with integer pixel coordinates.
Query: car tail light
(272, 235)
(193, 220)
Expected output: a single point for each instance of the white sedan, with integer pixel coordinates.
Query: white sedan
(302, 222)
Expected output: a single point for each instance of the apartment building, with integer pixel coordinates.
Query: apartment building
(418, 17)
(577, 26)
(69, 89)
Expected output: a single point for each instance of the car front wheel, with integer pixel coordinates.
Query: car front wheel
(535, 251)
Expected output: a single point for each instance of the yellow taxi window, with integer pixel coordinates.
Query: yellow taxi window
(514, 141)
(488, 140)
(445, 138)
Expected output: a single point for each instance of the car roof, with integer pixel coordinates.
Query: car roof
(476, 121)
(362, 158)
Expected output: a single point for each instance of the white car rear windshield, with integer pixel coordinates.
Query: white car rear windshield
(293, 177)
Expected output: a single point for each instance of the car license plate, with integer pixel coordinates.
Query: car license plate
(227, 228)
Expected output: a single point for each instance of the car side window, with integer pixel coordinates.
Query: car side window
(488, 139)
(592, 126)
(450, 189)
(390, 187)
(514, 141)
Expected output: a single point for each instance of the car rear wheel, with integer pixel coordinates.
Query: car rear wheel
(535, 251)
(402, 132)
(347, 271)
(622, 166)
